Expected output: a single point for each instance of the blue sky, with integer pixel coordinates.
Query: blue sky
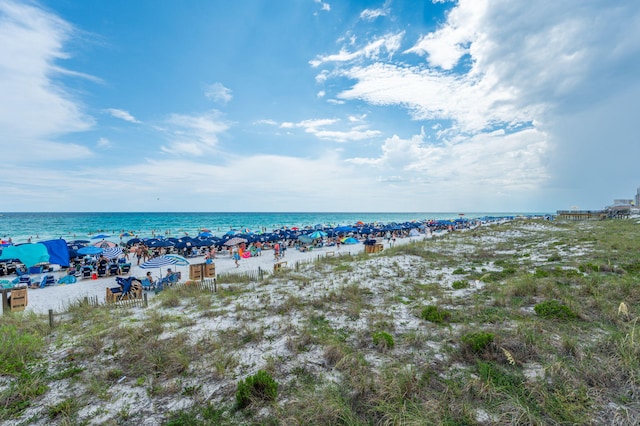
(310, 105)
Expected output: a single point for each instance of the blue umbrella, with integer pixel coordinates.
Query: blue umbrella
(100, 236)
(318, 234)
(159, 262)
(350, 240)
(159, 243)
(112, 252)
(305, 239)
(90, 250)
(180, 261)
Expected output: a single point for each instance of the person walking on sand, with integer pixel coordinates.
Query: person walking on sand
(236, 256)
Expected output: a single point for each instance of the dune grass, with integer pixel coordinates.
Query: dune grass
(529, 322)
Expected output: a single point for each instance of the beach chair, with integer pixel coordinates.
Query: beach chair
(35, 270)
(47, 280)
(24, 280)
(146, 284)
(86, 272)
(125, 268)
(18, 299)
(114, 269)
(128, 288)
(102, 271)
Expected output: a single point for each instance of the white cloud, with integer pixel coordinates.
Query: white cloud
(194, 134)
(449, 43)
(505, 162)
(35, 108)
(104, 143)
(319, 130)
(373, 14)
(121, 114)
(389, 43)
(325, 6)
(218, 93)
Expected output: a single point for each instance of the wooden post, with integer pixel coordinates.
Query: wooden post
(51, 318)
(146, 301)
(5, 301)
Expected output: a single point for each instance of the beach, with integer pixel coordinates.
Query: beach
(58, 297)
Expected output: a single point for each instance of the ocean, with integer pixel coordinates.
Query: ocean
(34, 227)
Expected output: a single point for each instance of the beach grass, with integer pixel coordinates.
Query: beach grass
(526, 322)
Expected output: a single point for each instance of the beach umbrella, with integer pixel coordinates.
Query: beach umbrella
(126, 234)
(100, 236)
(205, 234)
(349, 240)
(159, 243)
(112, 252)
(133, 241)
(181, 261)
(159, 262)
(305, 239)
(318, 234)
(235, 241)
(105, 244)
(90, 250)
(76, 242)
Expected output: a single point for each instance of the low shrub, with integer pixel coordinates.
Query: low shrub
(382, 339)
(460, 284)
(478, 341)
(260, 386)
(553, 309)
(435, 314)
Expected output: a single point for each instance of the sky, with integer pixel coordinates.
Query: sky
(318, 106)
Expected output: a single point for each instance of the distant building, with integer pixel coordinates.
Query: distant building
(623, 202)
(638, 198)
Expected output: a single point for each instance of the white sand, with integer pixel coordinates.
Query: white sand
(58, 297)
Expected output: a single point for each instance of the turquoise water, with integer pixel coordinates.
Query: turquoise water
(21, 227)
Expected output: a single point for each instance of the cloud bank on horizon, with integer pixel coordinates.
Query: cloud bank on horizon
(468, 105)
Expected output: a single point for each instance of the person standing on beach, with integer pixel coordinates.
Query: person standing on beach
(139, 253)
(235, 255)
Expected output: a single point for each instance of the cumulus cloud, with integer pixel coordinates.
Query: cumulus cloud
(121, 114)
(218, 93)
(495, 77)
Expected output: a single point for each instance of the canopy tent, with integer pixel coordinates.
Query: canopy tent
(29, 254)
(58, 251)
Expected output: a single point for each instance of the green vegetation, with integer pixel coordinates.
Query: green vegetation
(260, 386)
(550, 335)
(382, 339)
(435, 314)
(553, 309)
